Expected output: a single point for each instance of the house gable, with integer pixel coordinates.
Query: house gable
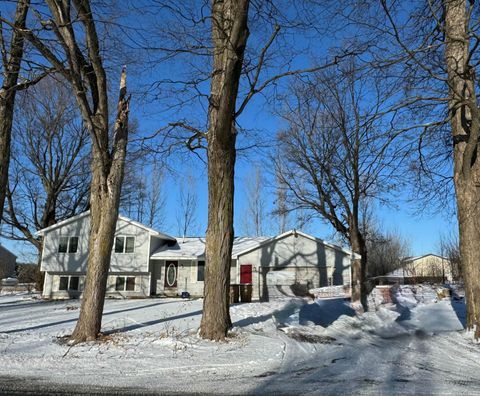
(79, 227)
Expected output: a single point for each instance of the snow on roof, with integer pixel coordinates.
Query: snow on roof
(398, 273)
(194, 247)
(415, 258)
(294, 232)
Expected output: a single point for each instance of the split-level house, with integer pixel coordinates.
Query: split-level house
(146, 262)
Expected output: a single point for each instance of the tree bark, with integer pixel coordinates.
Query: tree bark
(80, 62)
(107, 178)
(465, 123)
(359, 268)
(11, 70)
(229, 35)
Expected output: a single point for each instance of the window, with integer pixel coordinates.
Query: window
(74, 280)
(69, 283)
(63, 283)
(130, 284)
(200, 271)
(68, 244)
(63, 247)
(73, 245)
(125, 283)
(124, 244)
(120, 283)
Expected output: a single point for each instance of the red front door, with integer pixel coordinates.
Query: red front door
(245, 273)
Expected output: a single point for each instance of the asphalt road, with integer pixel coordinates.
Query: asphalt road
(35, 386)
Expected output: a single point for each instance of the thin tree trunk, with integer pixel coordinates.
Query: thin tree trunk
(229, 34)
(465, 122)
(107, 178)
(11, 70)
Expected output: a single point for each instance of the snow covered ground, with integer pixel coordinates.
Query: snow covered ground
(289, 346)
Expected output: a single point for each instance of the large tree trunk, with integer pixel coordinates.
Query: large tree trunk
(104, 214)
(465, 119)
(229, 35)
(8, 91)
(359, 268)
(107, 178)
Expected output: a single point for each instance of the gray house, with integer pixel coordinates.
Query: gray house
(147, 262)
(7, 263)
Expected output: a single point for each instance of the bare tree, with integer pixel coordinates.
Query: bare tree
(450, 249)
(281, 212)
(49, 177)
(432, 52)
(11, 62)
(337, 153)
(77, 57)
(133, 198)
(187, 207)
(254, 218)
(156, 200)
(229, 36)
(386, 251)
(464, 115)
(196, 38)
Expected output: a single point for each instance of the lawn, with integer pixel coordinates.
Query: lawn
(287, 346)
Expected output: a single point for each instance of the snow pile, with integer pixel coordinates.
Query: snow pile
(382, 323)
(330, 291)
(266, 316)
(406, 296)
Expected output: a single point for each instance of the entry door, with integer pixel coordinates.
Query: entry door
(156, 286)
(246, 273)
(171, 273)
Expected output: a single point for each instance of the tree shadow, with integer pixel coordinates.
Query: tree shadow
(460, 309)
(324, 312)
(288, 270)
(280, 316)
(405, 313)
(21, 304)
(142, 325)
(350, 366)
(44, 325)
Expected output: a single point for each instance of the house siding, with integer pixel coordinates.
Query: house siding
(186, 277)
(52, 261)
(7, 263)
(428, 266)
(289, 264)
(286, 265)
(57, 264)
(51, 289)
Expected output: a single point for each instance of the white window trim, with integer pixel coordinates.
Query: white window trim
(124, 244)
(125, 283)
(203, 261)
(68, 243)
(68, 283)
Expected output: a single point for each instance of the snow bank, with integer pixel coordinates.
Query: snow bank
(285, 346)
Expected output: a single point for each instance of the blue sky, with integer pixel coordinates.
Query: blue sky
(422, 231)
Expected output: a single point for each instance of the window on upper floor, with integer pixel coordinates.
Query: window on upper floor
(68, 244)
(124, 244)
(200, 271)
